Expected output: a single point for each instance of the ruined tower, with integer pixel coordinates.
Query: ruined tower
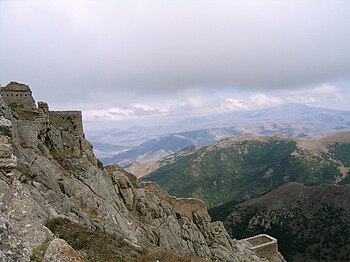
(18, 95)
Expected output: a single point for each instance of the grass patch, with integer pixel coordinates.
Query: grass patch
(39, 252)
(97, 246)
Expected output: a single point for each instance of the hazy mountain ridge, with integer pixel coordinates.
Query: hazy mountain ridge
(311, 223)
(158, 148)
(148, 144)
(248, 166)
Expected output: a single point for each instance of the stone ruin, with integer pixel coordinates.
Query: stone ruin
(31, 126)
(184, 206)
(262, 245)
(32, 122)
(19, 98)
(18, 95)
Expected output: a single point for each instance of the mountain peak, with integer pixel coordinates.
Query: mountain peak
(53, 186)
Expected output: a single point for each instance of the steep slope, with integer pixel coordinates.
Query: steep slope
(311, 223)
(236, 169)
(51, 182)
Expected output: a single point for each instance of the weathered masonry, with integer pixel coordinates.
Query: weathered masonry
(262, 245)
(70, 120)
(18, 95)
(31, 120)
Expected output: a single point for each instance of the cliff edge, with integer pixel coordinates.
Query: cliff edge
(58, 201)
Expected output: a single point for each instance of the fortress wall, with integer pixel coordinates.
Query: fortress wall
(183, 206)
(269, 251)
(67, 120)
(186, 206)
(259, 240)
(262, 245)
(156, 189)
(18, 98)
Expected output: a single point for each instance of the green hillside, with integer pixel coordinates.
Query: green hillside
(310, 223)
(246, 167)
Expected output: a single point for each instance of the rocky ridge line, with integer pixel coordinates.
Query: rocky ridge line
(48, 171)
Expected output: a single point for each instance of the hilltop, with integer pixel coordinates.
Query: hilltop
(58, 201)
(138, 148)
(237, 169)
(311, 223)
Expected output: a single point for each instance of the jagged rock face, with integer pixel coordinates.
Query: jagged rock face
(49, 171)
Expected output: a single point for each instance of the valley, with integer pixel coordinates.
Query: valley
(248, 166)
(58, 202)
(139, 148)
(288, 180)
(174, 131)
(310, 223)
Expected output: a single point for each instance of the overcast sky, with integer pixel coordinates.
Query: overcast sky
(118, 60)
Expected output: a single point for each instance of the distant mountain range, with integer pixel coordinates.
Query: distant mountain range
(283, 171)
(310, 223)
(236, 169)
(158, 148)
(148, 144)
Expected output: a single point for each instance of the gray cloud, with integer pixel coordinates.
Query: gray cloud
(106, 50)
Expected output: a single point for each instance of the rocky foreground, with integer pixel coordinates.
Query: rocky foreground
(57, 201)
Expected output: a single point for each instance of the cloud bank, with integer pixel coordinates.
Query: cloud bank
(81, 51)
(201, 105)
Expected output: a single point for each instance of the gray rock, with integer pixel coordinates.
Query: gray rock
(60, 250)
(5, 150)
(5, 126)
(21, 230)
(55, 141)
(57, 175)
(8, 163)
(4, 258)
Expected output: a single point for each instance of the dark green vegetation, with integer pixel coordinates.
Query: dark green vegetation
(240, 169)
(342, 153)
(310, 223)
(95, 245)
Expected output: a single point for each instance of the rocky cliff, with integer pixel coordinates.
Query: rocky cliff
(57, 201)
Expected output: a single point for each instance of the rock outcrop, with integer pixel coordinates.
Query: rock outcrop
(49, 171)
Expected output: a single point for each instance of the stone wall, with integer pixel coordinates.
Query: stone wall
(19, 98)
(18, 95)
(184, 206)
(67, 120)
(262, 245)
